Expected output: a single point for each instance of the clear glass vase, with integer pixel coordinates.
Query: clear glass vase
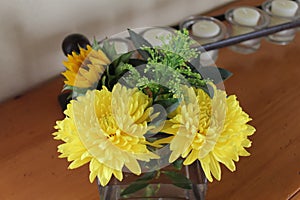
(168, 183)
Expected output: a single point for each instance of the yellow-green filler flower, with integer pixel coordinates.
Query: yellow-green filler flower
(107, 130)
(213, 131)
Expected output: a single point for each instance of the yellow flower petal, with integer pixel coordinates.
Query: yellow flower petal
(85, 69)
(220, 135)
(110, 139)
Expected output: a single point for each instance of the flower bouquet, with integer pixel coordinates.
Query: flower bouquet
(152, 123)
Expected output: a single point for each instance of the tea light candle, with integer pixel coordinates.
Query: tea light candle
(205, 29)
(207, 56)
(284, 8)
(246, 16)
(121, 47)
(153, 34)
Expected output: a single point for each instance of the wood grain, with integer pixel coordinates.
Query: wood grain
(30, 168)
(267, 85)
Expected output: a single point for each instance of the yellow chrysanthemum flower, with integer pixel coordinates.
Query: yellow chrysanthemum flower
(213, 131)
(106, 129)
(85, 69)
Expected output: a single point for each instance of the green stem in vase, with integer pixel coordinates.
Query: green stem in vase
(139, 184)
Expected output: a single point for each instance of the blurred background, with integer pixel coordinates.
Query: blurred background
(31, 31)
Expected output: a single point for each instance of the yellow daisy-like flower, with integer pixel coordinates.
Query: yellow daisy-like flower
(85, 69)
(213, 131)
(106, 129)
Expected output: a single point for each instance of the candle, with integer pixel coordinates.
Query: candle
(152, 35)
(243, 20)
(121, 47)
(284, 8)
(246, 16)
(205, 29)
(206, 58)
(281, 11)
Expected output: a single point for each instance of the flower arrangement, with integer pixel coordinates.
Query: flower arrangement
(145, 109)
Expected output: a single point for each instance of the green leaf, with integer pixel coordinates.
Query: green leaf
(109, 49)
(137, 62)
(102, 82)
(179, 179)
(169, 104)
(217, 75)
(123, 58)
(151, 191)
(96, 45)
(195, 63)
(139, 42)
(147, 176)
(178, 164)
(134, 187)
(76, 91)
(225, 74)
(208, 90)
(140, 183)
(67, 87)
(114, 71)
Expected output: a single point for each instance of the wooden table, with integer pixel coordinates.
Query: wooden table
(267, 84)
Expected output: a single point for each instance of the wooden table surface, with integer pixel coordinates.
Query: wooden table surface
(267, 84)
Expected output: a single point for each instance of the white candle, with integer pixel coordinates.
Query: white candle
(237, 30)
(205, 29)
(152, 35)
(246, 16)
(207, 56)
(121, 47)
(284, 8)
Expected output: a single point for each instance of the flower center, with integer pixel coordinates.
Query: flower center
(108, 125)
